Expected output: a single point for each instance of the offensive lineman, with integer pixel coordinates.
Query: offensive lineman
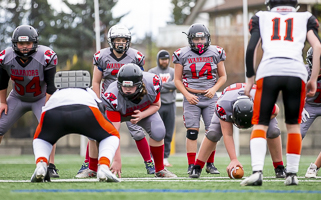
(107, 63)
(283, 32)
(196, 67)
(32, 68)
(135, 97)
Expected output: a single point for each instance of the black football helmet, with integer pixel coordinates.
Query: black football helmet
(309, 57)
(242, 112)
(130, 75)
(25, 33)
(198, 30)
(119, 31)
(273, 3)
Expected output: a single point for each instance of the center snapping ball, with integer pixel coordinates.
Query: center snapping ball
(236, 174)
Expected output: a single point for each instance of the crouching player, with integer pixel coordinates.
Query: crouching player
(135, 97)
(234, 108)
(74, 108)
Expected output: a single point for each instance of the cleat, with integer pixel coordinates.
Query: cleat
(312, 171)
(165, 174)
(189, 169)
(53, 171)
(166, 163)
(87, 173)
(291, 179)
(85, 165)
(40, 172)
(256, 179)
(210, 168)
(150, 167)
(195, 171)
(105, 175)
(280, 172)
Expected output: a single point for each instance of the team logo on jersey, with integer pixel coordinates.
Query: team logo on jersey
(178, 52)
(111, 98)
(221, 112)
(140, 56)
(165, 77)
(2, 53)
(48, 55)
(219, 49)
(96, 56)
(156, 83)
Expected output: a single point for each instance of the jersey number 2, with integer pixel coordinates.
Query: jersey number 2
(288, 30)
(32, 87)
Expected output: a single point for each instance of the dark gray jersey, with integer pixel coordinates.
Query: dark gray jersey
(224, 105)
(28, 76)
(115, 102)
(199, 71)
(109, 64)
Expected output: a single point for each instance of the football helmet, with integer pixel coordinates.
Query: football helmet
(198, 30)
(242, 112)
(309, 57)
(273, 3)
(118, 31)
(25, 33)
(130, 75)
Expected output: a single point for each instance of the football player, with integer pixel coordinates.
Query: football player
(196, 68)
(107, 63)
(135, 97)
(233, 107)
(74, 108)
(31, 68)
(283, 32)
(167, 111)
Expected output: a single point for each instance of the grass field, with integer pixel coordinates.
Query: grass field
(15, 173)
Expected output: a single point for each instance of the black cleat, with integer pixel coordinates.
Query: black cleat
(210, 168)
(53, 172)
(280, 171)
(195, 171)
(189, 169)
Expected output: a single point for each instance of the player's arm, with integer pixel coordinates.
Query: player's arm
(4, 79)
(49, 78)
(153, 108)
(97, 77)
(220, 82)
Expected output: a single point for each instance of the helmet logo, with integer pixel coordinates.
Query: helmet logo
(23, 38)
(199, 34)
(128, 83)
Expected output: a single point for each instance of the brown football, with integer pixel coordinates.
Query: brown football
(236, 174)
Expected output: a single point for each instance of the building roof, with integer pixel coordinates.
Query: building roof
(234, 4)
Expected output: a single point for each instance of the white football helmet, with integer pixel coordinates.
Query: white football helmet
(118, 31)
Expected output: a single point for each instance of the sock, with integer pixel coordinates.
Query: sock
(87, 154)
(143, 148)
(200, 163)
(211, 158)
(258, 149)
(104, 161)
(293, 152)
(42, 159)
(158, 155)
(276, 164)
(191, 158)
(93, 164)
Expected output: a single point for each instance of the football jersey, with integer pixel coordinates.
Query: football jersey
(28, 77)
(224, 104)
(283, 32)
(114, 101)
(199, 71)
(109, 64)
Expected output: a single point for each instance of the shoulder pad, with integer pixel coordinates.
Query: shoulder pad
(72, 79)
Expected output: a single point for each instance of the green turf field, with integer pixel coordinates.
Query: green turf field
(15, 173)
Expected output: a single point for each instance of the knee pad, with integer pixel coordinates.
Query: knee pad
(192, 134)
(138, 135)
(213, 136)
(273, 133)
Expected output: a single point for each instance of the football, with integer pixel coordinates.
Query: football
(237, 173)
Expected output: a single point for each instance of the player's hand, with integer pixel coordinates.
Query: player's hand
(305, 115)
(311, 88)
(232, 165)
(3, 107)
(116, 168)
(248, 86)
(137, 117)
(192, 99)
(209, 93)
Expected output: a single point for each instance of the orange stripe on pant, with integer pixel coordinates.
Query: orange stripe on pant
(258, 133)
(107, 126)
(39, 127)
(294, 143)
(257, 101)
(302, 99)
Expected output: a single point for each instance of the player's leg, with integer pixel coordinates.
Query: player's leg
(138, 134)
(275, 147)
(154, 126)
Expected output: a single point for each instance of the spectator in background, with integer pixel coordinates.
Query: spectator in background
(167, 110)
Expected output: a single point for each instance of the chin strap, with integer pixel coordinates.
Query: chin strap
(200, 48)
